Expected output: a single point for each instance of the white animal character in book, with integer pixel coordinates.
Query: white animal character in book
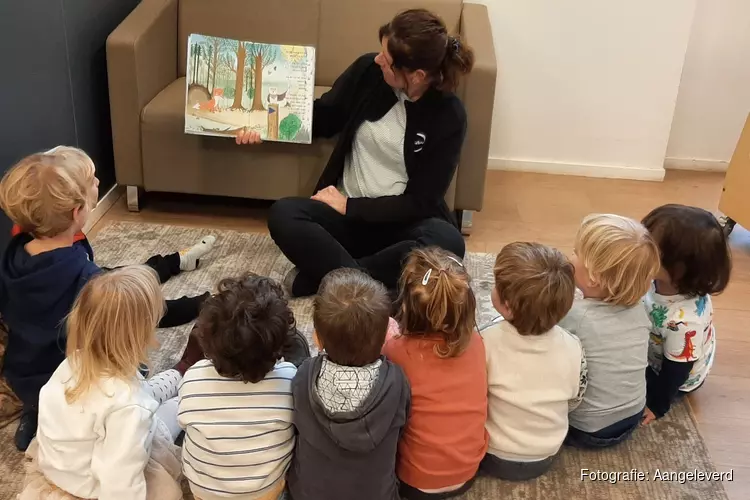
(274, 97)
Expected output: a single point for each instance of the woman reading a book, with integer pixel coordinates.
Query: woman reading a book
(400, 130)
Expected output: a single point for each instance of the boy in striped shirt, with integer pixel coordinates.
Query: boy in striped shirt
(236, 405)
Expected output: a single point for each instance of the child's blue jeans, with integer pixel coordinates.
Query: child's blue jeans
(609, 436)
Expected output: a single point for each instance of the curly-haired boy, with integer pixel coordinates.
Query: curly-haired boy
(236, 405)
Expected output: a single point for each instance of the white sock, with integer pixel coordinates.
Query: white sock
(189, 256)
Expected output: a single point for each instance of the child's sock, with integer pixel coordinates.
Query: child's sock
(189, 257)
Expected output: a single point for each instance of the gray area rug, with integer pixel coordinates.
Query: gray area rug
(673, 444)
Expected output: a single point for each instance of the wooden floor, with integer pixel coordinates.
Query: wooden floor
(548, 209)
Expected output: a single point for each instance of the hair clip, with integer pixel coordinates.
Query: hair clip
(427, 276)
(454, 259)
(455, 44)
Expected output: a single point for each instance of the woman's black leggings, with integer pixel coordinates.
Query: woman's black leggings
(318, 239)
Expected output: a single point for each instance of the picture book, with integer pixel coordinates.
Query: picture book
(236, 84)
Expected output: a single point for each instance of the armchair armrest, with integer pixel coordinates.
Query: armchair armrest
(141, 62)
(478, 95)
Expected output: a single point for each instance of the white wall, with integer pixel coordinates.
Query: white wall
(587, 87)
(714, 97)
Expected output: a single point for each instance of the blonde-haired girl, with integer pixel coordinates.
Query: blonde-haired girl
(443, 357)
(97, 416)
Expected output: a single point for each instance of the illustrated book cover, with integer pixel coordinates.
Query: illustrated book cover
(236, 84)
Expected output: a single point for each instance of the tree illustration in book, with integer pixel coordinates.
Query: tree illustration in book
(236, 84)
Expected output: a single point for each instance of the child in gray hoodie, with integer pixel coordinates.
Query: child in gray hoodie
(350, 403)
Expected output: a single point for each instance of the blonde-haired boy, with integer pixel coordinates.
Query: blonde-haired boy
(615, 262)
(49, 197)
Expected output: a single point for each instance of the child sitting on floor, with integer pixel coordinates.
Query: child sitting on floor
(236, 406)
(536, 370)
(695, 264)
(351, 404)
(49, 197)
(98, 418)
(444, 359)
(615, 260)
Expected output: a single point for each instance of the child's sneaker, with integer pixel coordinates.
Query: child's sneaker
(296, 349)
(288, 283)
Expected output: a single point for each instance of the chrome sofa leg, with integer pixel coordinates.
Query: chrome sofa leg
(467, 218)
(132, 197)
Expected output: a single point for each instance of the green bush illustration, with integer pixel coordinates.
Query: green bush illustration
(288, 127)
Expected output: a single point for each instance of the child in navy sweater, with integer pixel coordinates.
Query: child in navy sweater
(49, 197)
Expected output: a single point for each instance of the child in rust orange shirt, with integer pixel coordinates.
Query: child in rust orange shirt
(443, 357)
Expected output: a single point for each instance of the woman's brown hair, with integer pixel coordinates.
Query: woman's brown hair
(436, 298)
(418, 39)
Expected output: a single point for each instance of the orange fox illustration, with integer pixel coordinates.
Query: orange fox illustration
(211, 105)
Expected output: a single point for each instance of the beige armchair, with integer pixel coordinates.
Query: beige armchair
(147, 57)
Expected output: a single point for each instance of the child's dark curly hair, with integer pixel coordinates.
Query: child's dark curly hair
(694, 250)
(242, 329)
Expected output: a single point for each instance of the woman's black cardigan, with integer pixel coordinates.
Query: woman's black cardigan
(435, 131)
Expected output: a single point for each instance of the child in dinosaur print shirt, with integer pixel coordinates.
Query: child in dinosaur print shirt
(682, 331)
(695, 264)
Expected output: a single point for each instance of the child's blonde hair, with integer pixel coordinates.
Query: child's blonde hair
(619, 255)
(436, 298)
(40, 192)
(112, 325)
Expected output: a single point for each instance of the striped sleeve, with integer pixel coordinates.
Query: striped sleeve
(239, 436)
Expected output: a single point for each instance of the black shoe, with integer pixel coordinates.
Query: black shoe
(180, 439)
(288, 283)
(296, 350)
(26, 430)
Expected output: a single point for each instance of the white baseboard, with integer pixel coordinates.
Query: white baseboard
(582, 170)
(103, 206)
(696, 164)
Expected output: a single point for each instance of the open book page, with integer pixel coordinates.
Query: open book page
(235, 84)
